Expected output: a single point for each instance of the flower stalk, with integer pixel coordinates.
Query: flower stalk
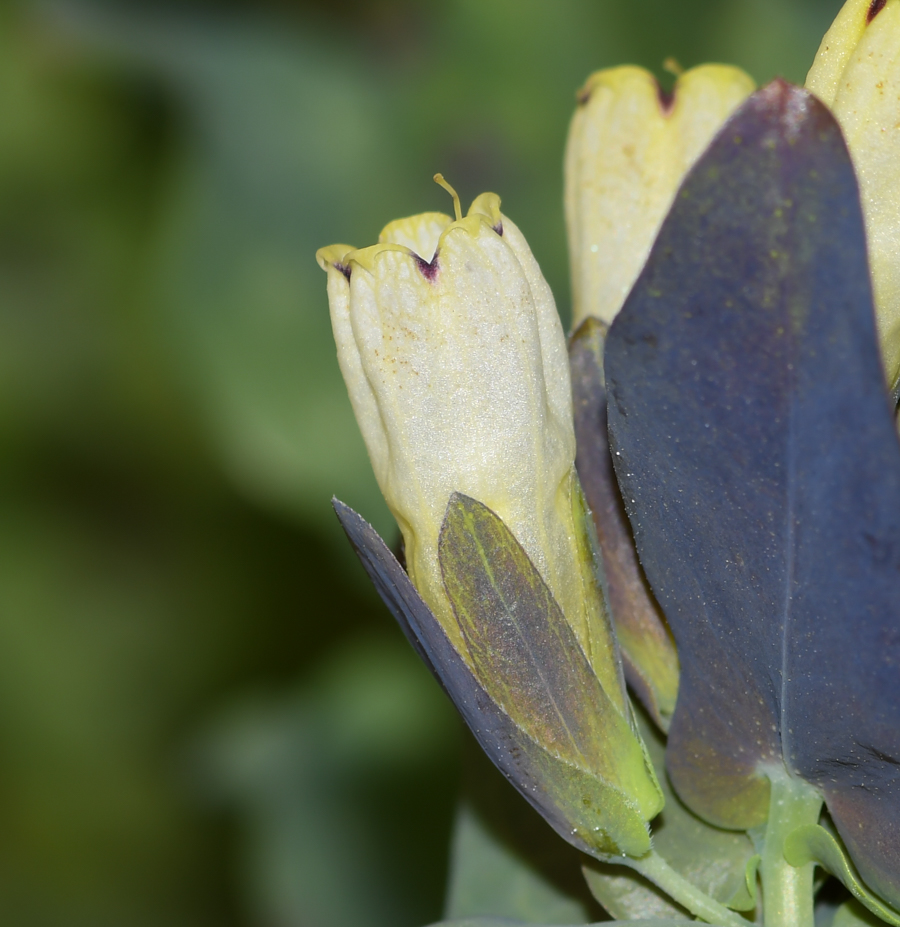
(788, 890)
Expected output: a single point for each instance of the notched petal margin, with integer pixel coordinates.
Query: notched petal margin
(402, 234)
(335, 257)
(665, 98)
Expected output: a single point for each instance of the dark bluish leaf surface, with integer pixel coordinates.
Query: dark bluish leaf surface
(648, 651)
(571, 799)
(760, 467)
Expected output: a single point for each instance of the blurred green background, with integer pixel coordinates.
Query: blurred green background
(206, 717)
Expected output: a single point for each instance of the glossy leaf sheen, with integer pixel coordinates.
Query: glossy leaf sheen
(761, 471)
(572, 808)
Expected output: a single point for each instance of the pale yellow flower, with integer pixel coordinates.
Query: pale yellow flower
(455, 360)
(629, 148)
(857, 73)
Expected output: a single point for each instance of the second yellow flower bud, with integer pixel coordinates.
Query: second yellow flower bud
(629, 148)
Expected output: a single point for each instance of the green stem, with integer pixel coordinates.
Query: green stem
(787, 891)
(679, 889)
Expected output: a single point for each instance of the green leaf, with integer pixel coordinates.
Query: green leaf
(341, 788)
(626, 895)
(813, 843)
(527, 658)
(852, 914)
(717, 861)
(522, 648)
(744, 898)
(721, 863)
(504, 859)
(488, 875)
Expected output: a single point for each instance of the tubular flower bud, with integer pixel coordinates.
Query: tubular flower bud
(455, 360)
(457, 369)
(857, 73)
(629, 148)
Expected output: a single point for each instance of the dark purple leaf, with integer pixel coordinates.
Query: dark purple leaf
(648, 651)
(760, 466)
